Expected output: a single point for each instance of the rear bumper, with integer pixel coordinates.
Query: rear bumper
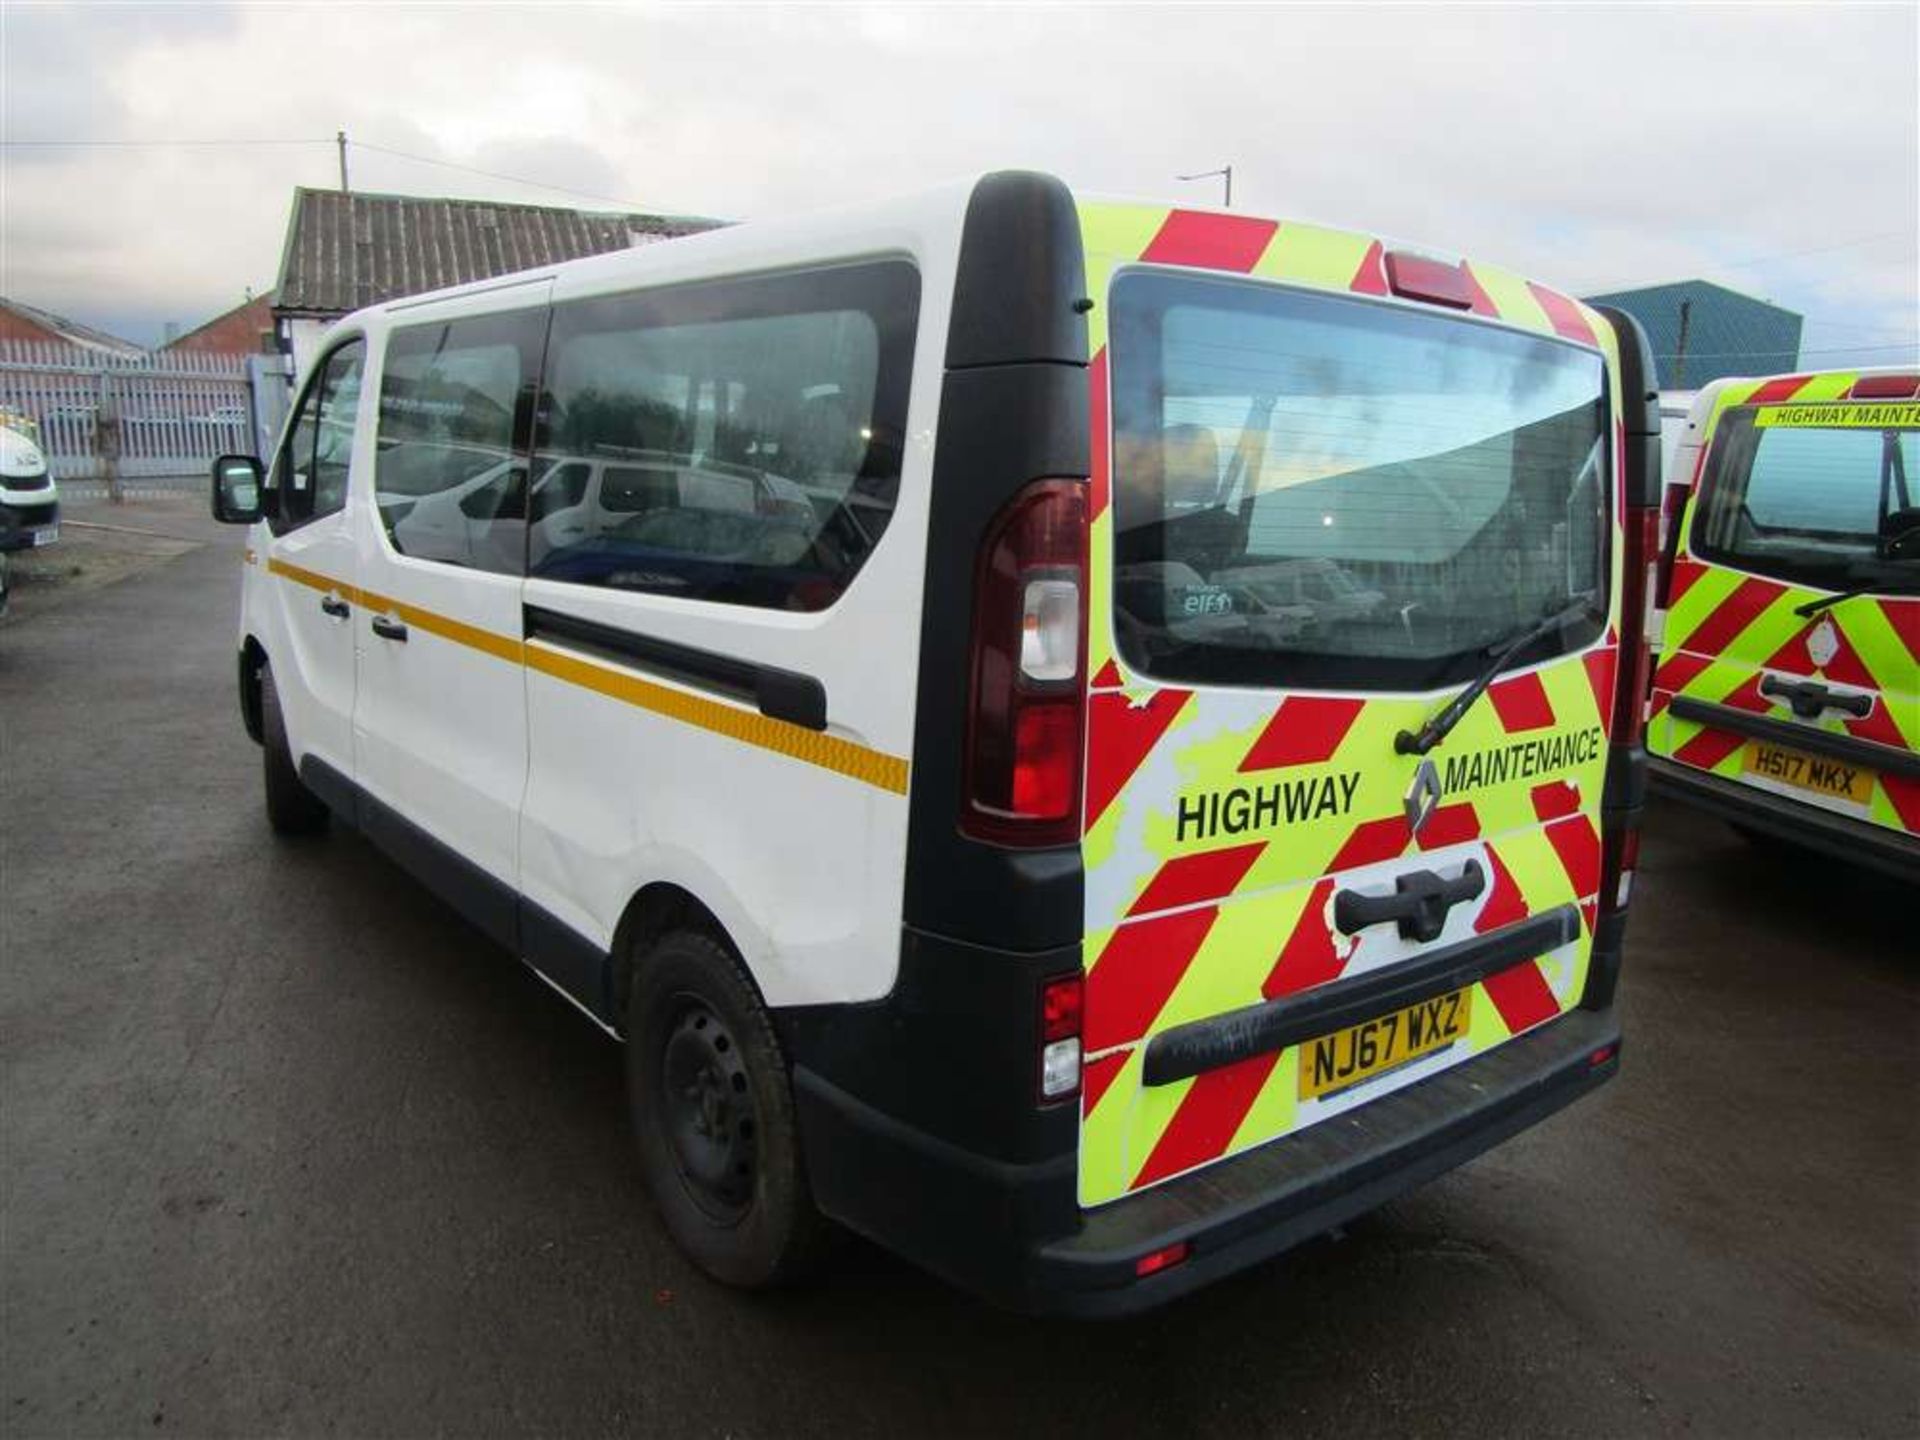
(1855, 841)
(1014, 1234)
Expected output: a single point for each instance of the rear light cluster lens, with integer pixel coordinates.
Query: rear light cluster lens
(1636, 622)
(1027, 719)
(1619, 860)
(1060, 1037)
(1673, 506)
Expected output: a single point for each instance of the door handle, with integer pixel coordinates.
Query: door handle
(389, 629)
(1808, 698)
(1419, 902)
(335, 606)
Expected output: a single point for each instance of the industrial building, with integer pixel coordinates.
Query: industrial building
(1702, 331)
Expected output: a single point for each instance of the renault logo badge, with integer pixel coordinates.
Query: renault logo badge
(1423, 796)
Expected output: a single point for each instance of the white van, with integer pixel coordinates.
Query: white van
(1089, 742)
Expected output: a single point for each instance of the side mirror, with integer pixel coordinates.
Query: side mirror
(237, 483)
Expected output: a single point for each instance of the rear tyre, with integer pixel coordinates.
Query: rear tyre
(713, 1114)
(292, 809)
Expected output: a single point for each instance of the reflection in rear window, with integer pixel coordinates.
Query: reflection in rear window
(1317, 490)
(1807, 502)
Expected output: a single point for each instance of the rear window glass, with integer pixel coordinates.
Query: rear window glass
(1788, 496)
(1315, 490)
(737, 442)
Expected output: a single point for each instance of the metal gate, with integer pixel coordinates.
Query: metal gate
(175, 410)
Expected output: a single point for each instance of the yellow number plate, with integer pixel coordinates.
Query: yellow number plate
(1360, 1052)
(1838, 778)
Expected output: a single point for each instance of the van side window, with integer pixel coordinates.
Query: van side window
(456, 402)
(309, 475)
(738, 442)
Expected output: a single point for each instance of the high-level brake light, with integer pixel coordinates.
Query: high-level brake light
(1885, 387)
(1421, 277)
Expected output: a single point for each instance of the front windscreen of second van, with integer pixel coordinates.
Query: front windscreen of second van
(1326, 492)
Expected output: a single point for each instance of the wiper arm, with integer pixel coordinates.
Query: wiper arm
(1409, 742)
(1814, 607)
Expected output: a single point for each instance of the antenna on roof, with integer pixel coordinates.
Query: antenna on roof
(340, 139)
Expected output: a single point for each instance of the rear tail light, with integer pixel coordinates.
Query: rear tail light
(1673, 506)
(1639, 593)
(1619, 859)
(1060, 1037)
(1885, 387)
(1027, 719)
(1420, 277)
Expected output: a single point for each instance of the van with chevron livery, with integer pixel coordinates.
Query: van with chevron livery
(1786, 697)
(1085, 741)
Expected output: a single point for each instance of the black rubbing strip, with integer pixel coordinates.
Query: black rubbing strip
(776, 693)
(1869, 753)
(1188, 1050)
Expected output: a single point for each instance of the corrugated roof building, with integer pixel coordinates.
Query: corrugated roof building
(1725, 332)
(345, 250)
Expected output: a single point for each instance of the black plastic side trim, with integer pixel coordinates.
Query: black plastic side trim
(1192, 1049)
(1884, 758)
(1626, 783)
(1639, 406)
(952, 1051)
(340, 794)
(489, 904)
(568, 959)
(1603, 966)
(1000, 428)
(1020, 275)
(778, 694)
(571, 961)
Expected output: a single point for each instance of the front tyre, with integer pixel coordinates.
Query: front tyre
(713, 1114)
(292, 809)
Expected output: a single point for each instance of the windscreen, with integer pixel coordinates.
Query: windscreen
(1814, 493)
(1323, 491)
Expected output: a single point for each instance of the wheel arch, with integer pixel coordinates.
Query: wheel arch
(656, 910)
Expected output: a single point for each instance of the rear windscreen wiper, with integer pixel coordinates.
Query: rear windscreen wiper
(1871, 587)
(1409, 742)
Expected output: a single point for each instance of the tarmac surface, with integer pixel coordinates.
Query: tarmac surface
(286, 1148)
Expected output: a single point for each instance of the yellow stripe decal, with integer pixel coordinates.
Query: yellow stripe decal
(829, 752)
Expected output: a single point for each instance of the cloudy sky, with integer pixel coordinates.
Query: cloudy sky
(1774, 148)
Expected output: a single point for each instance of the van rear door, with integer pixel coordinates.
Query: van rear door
(1791, 659)
(1330, 515)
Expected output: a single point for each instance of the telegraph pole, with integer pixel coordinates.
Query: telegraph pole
(1225, 172)
(1680, 346)
(340, 139)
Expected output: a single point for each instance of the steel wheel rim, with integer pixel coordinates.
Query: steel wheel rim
(708, 1112)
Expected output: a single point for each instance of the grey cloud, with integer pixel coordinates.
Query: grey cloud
(1585, 145)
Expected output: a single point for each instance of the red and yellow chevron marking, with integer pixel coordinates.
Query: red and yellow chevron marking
(1181, 928)
(1726, 630)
